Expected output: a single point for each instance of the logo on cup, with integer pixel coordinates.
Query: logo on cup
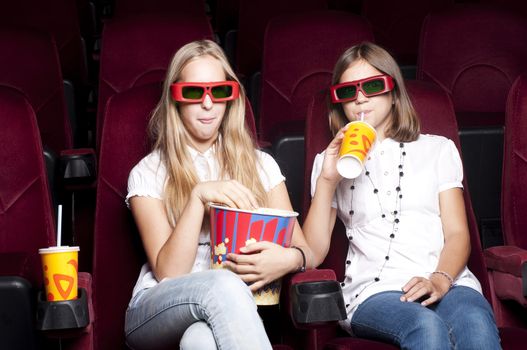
(358, 139)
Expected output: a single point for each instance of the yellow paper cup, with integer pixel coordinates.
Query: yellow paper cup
(356, 144)
(60, 267)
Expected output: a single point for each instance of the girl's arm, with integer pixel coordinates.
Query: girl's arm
(454, 255)
(171, 251)
(321, 217)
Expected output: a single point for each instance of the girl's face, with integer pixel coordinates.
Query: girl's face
(202, 120)
(377, 109)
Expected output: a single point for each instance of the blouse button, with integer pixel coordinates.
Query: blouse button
(382, 152)
(342, 284)
(348, 262)
(386, 173)
(388, 193)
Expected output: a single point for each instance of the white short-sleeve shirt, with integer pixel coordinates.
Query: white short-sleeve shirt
(148, 179)
(431, 165)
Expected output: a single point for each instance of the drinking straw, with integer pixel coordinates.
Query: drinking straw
(59, 226)
(361, 116)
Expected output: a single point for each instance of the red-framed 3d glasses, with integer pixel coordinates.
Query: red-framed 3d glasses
(219, 91)
(372, 86)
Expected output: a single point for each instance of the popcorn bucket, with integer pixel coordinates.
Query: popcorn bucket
(231, 229)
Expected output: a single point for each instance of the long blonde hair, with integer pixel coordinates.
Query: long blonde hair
(404, 124)
(235, 149)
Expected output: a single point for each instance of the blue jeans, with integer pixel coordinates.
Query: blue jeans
(211, 309)
(463, 319)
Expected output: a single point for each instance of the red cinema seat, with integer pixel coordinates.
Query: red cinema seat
(300, 51)
(136, 50)
(508, 264)
(118, 251)
(26, 224)
(252, 21)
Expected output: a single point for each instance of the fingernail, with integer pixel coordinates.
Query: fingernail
(243, 249)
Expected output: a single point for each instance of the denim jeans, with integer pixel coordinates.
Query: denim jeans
(216, 304)
(463, 319)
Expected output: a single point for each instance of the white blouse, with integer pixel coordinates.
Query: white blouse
(148, 179)
(430, 165)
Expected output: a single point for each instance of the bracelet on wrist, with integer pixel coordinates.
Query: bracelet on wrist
(446, 275)
(303, 267)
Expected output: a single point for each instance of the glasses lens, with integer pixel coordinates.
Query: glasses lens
(346, 92)
(222, 91)
(373, 86)
(192, 92)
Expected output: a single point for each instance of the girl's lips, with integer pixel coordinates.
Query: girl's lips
(206, 120)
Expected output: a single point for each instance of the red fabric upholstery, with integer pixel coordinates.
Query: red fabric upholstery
(507, 259)
(29, 63)
(253, 19)
(60, 19)
(136, 50)
(300, 51)
(505, 263)
(436, 112)
(118, 251)
(397, 24)
(514, 180)
(26, 221)
(474, 53)
(128, 7)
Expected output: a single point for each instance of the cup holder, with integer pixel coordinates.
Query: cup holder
(317, 302)
(65, 314)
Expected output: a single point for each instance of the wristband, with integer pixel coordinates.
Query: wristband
(446, 275)
(303, 267)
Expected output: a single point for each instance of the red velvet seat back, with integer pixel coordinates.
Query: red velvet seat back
(26, 221)
(474, 53)
(436, 113)
(253, 19)
(60, 19)
(300, 51)
(514, 180)
(136, 50)
(118, 252)
(397, 24)
(130, 7)
(30, 64)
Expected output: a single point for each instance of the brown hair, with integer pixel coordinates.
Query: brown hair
(404, 124)
(235, 148)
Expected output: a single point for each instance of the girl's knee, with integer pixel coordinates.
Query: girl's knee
(226, 287)
(198, 336)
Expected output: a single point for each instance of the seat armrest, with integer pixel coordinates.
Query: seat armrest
(508, 269)
(78, 168)
(507, 259)
(313, 298)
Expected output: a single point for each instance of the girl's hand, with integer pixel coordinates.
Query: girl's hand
(418, 287)
(229, 192)
(262, 263)
(329, 166)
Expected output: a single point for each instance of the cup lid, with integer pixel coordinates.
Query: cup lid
(259, 211)
(61, 249)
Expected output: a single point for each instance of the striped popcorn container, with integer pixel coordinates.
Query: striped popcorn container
(231, 229)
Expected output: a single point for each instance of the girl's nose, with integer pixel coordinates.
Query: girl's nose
(361, 98)
(207, 102)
